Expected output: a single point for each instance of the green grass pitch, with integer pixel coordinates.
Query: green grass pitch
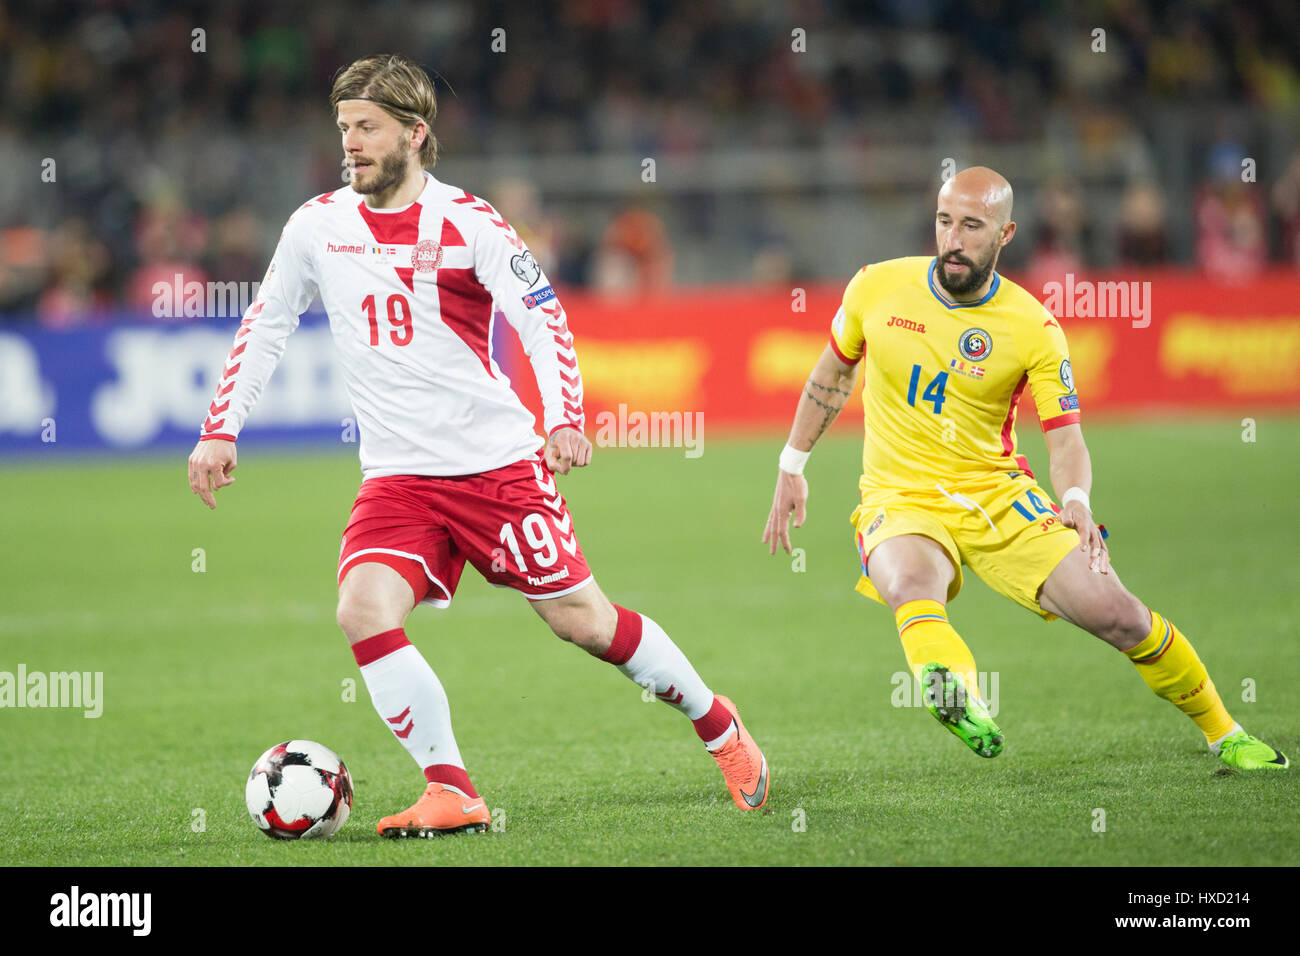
(203, 671)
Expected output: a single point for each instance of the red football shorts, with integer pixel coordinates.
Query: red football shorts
(510, 523)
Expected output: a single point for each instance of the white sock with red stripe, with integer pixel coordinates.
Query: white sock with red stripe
(644, 652)
(410, 699)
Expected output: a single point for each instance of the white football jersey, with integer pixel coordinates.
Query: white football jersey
(411, 295)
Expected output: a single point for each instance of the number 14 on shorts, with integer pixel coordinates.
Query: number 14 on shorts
(1031, 500)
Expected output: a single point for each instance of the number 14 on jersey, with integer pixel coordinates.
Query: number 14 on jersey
(933, 392)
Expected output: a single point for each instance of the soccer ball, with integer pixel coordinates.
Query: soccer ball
(299, 789)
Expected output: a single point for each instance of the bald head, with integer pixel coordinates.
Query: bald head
(972, 224)
(979, 186)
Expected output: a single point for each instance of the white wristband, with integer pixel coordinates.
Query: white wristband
(793, 460)
(1076, 494)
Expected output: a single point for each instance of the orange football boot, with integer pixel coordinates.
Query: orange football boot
(743, 765)
(438, 811)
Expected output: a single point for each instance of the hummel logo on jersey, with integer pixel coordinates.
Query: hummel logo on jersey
(355, 250)
(906, 324)
(534, 299)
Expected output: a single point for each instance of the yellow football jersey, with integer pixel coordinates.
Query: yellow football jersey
(942, 379)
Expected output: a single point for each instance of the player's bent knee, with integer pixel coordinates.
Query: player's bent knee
(582, 628)
(1135, 626)
(361, 617)
(912, 584)
(353, 618)
(578, 629)
(1123, 624)
(373, 598)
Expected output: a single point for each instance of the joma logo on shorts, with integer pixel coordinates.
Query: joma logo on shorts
(906, 324)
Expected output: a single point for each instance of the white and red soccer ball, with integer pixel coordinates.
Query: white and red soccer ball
(299, 790)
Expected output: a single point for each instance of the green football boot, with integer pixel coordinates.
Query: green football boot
(1243, 752)
(960, 710)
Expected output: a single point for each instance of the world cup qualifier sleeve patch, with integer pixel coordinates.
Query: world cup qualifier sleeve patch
(525, 268)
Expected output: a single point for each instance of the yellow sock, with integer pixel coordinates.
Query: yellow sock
(927, 636)
(1168, 663)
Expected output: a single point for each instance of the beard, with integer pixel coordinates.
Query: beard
(972, 280)
(389, 172)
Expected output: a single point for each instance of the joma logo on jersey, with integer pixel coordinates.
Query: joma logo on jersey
(355, 250)
(906, 324)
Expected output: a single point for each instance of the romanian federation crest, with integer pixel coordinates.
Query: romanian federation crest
(975, 345)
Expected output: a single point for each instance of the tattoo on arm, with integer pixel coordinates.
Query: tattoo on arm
(830, 399)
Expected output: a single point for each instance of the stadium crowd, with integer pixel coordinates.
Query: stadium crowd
(176, 151)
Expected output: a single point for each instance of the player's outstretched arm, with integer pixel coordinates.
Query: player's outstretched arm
(283, 296)
(1071, 468)
(211, 463)
(824, 395)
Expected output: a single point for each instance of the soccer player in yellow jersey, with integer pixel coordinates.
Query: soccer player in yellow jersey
(947, 347)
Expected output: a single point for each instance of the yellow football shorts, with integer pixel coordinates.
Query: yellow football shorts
(1003, 526)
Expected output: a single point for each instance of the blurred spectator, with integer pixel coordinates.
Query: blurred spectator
(1143, 235)
(237, 254)
(79, 270)
(1231, 242)
(1286, 205)
(633, 255)
(24, 261)
(1061, 231)
(170, 239)
(772, 263)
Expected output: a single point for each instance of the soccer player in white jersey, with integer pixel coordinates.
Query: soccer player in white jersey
(412, 273)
